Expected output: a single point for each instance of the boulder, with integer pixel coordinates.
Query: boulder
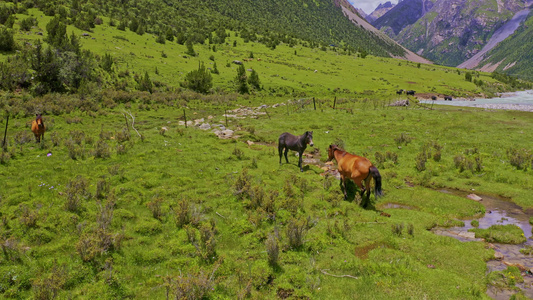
(498, 256)
(205, 126)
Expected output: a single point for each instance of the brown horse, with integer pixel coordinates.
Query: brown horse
(288, 142)
(358, 169)
(38, 128)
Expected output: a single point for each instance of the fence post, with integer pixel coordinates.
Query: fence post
(185, 117)
(314, 104)
(226, 115)
(5, 134)
(334, 102)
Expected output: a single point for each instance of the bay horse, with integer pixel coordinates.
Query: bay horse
(357, 168)
(38, 128)
(288, 142)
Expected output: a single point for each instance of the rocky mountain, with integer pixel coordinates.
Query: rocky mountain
(352, 14)
(382, 9)
(448, 32)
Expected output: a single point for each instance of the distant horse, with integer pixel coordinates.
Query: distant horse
(288, 142)
(410, 92)
(399, 92)
(447, 98)
(433, 97)
(357, 168)
(38, 128)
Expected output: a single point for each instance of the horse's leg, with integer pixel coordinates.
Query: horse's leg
(280, 150)
(286, 151)
(300, 161)
(343, 187)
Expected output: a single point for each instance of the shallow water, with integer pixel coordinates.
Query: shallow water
(502, 212)
(506, 100)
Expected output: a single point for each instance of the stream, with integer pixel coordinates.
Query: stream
(500, 212)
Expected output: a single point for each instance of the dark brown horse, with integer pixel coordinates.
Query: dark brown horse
(288, 142)
(357, 168)
(38, 128)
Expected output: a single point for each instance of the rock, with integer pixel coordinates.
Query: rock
(474, 197)
(468, 235)
(498, 256)
(519, 266)
(249, 143)
(329, 163)
(400, 103)
(430, 266)
(198, 121)
(205, 126)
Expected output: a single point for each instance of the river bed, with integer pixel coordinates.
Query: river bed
(521, 100)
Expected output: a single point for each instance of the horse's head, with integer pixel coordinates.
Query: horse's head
(39, 120)
(331, 151)
(309, 138)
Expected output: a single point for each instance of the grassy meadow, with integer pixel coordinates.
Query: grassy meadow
(121, 200)
(182, 212)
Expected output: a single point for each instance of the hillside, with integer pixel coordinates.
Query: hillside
(382, 9)
(513, 55)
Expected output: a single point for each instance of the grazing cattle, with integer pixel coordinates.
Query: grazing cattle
(447, 98)
(433, 97)
(288, 142)
(237, 62)
(410, 92)
(357, 168)
(399, 92)
(38, 128)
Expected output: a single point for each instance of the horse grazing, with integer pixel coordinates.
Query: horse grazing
(357, 168)
(288, 142)
(38, 128)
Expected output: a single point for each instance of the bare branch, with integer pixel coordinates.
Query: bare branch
(339, 276)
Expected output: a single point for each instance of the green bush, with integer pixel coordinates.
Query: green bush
(199, 80)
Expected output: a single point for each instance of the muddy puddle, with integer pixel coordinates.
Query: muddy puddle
(500, 212)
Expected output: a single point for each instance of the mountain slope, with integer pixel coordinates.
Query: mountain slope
(513, 55)
(450, 31)
(382, 9)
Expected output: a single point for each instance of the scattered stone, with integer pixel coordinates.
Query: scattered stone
(329, 163)
(498, 256)
(205, 126)
(249, 143)
(468, 235)
(237, 62)
(519, 266)
(474, 197)
(400, 103)
(431, 266)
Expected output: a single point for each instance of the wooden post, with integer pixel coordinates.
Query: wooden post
(226, 115)
(334, 102)
(5, 134)
(127, 125)
(185, 117)
(314, 103)
(264, 107)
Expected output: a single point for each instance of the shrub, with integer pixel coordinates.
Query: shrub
(28, 23)
(7, 41)
(199, 80)
(403, 139)
(102, 150)
(196, 285)
(296, 231)
(397, 229)
(520, 158)
(76, 191)
(272, 248)
(421, 159)
(102, 189)
(48, 286)
(155, 208)
(206, 250)
(28, 217)
(242, 185)
(182, 213)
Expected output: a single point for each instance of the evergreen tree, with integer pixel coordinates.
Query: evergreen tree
(190, 48)
(134, 25)
(7, 41)
(107, 63)
(254, 81)
(215, 69)
(146, 83)
(160, 39)
(241, 80)
(199, 80)
(57, 33)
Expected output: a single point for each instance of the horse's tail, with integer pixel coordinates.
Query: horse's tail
(377, 180)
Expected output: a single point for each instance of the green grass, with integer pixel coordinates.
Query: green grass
(188, 165)
(506, 234)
